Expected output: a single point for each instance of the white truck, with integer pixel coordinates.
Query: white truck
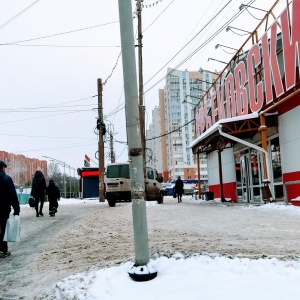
(118, 186)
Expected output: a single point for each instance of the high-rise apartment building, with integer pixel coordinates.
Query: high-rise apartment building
(174, 117)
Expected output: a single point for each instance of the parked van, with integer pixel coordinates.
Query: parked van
(118, 187)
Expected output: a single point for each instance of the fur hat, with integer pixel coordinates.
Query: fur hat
(2, 164)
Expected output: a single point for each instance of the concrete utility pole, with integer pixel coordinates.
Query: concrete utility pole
(141, 271)
(100, 143)
(141, 84)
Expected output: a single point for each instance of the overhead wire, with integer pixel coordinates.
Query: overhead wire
(47, 137)
(49, 106)
(111, 73)
(60, 46)
(195, 51)
(54, 148)
(28, 119)
(207, 24)
(61, 33)
(210, 30)
(157, 137)
(157, 17)
(18, 14)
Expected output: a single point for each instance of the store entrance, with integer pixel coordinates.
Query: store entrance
(249, 175)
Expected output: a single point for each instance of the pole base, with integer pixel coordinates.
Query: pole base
(142, 273)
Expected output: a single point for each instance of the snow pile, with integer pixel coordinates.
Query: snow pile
(193, 278)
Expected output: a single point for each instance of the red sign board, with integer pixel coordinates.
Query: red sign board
(241, 93)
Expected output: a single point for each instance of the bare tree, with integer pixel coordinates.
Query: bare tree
(54, 173)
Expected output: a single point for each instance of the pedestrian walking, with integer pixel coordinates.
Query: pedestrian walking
(38, 191)
(8, 199)
(53, 193)
(179, 188)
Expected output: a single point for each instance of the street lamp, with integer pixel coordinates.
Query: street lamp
(193, 88)
(193, 97)
(202, 70)
(223, 62)
(231, 27)
(242, 6)
(184, 101)
(219, 45)
(203, 80)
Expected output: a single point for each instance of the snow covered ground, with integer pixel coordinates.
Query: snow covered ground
(198, 276)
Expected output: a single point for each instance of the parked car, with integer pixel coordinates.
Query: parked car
(118, 186)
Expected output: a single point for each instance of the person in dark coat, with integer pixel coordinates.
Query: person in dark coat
(38, 191)
(53, 196)
(8, 198)
(179, 188)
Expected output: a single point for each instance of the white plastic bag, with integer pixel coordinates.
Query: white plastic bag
(13, 229)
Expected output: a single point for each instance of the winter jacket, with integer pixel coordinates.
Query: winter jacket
(8, 195)
(38, 185)
(179, 186)
(52, 191)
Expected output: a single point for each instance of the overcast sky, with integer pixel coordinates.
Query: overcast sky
(53, 52)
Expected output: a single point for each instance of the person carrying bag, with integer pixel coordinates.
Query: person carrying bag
(13, 229)
(8, 199)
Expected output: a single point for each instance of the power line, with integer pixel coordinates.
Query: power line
(55, 148)
(54, 105)
(48, 137)
(58, 46)
(18, 14)
(157, 137)
(186, 45)
(157, 16)
(14, 121)
(197, 49)
(109, 76)
(61, 33)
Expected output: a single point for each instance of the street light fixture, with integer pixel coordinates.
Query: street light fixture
(223, 62)
(231, 27)
(219, 45)
(202, 70)
(193, 97)
(204, 81)
(242, 6)
(193, 88)
(184, 101)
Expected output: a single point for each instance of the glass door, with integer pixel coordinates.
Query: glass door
(256, 173)
(249, 170)
(242, 176)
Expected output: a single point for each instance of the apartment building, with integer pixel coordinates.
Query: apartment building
(153, 142)
(175, 119)
(21, 168)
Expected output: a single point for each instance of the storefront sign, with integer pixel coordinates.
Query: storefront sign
(233, 99)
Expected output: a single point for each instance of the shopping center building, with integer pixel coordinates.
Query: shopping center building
(248, 122)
